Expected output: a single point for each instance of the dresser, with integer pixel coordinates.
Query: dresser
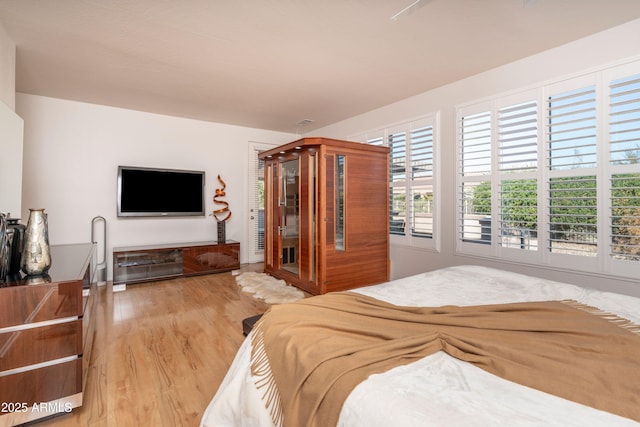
(47, 326)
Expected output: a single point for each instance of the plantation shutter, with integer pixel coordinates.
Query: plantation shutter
(257, 192)
(422, 152)
(475, 149)
(517, 159)
(474, 153)
(397, 143)
(572, 191)
(554, 169)
(421, 164)
(519, 213)
(398, 156)
(571, 132)
(624, 158)
(518, 137)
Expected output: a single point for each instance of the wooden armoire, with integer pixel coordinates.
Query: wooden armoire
(327, 214)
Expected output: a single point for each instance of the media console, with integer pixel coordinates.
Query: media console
(135, 264)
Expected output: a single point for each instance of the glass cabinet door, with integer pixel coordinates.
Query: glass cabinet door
(291, 218)
(290, 215)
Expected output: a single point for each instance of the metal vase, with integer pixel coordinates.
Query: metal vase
(36, 254)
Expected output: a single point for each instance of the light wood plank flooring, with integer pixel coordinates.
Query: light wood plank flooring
(161, 351)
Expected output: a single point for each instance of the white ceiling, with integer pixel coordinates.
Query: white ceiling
(272, 63)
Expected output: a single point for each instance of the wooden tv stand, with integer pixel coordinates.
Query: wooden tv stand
(135, 264)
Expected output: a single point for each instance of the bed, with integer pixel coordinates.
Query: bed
(438, 389)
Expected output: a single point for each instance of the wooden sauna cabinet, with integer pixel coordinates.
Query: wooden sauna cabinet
(327, 214)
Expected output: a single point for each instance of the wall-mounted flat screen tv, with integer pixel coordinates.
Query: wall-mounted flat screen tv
(160, 192)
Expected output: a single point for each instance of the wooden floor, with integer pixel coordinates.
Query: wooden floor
(161, 350)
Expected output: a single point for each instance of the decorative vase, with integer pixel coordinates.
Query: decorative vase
(40, 279)
(223, 214)
(36, 254)
(222, 234)
(15, 233)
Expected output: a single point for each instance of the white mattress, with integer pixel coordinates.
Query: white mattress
(440, 390)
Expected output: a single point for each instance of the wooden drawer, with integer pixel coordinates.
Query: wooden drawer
(44, 384)
(38, 303)
(36, 345)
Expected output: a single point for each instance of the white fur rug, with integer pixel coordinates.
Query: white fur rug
(268, 288)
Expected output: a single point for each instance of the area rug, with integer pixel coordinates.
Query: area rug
(268, 288)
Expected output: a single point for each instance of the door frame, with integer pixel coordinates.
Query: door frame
(254, 254)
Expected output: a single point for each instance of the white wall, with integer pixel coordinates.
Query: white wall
(7, 69)
(10, 131)
(72, 151)
(10, 162)
(612, 46)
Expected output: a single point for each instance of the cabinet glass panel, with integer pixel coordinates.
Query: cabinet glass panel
(290, 212)
(340, 203)
(312, 210)
(131, 266)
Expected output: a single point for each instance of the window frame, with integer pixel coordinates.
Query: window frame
(611, 264)
(603, 262)
(408, 185)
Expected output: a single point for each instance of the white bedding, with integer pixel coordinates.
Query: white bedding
(440, 390)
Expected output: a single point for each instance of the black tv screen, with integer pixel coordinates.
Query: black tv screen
(160, 192)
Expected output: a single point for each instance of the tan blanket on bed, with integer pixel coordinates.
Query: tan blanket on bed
(308, 356)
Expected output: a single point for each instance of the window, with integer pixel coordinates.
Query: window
(475, 169)
(412, 194)
(571, 143)
(397, 143)
(624, 161)
(518, 162)
(421, 181)
(552, 175)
